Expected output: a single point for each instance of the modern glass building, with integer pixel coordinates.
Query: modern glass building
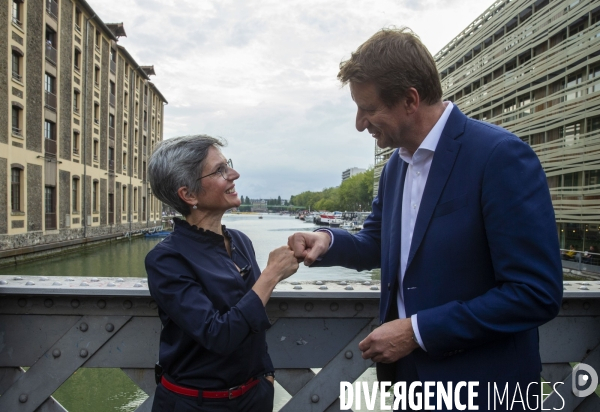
(533, 67)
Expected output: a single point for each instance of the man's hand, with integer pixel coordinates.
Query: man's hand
(389, 342)
(308, 246)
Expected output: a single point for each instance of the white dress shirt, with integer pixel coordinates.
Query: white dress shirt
(419, 165)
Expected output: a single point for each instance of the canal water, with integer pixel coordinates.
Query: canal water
(110, 390)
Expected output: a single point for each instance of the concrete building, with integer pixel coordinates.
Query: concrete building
(533, 67)
(348, 173)
(80, 119)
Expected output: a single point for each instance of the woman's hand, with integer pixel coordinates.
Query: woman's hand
(282, 262)
(281, 265)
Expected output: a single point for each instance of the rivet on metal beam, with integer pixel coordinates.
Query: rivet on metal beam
(127, 304)
(30, 283)
(84, 284)
(152, 304)
(75, 303)
(314, 398)
(334, 306)
(374, 288)
(308, 306)
(101, 303)
(137, 285)
(119, 280)
(297, 287)
(349, 354)
(57, 284)
(3, 282)
(586, 305)
(94, 280)
(43, 278)
(83, 327)
(48, 303)
(283, 306)
(22, 302)
(323, 287)
(367, 282)
(56, 353)
(565, 305)
(358, 307)
(349, 288)
(83, 353)
(23, 398)
(110, 284)
(109, 327)
(17, 278)
(343, 283)
(318, 282)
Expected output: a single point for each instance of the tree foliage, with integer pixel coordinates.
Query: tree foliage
(354, 194)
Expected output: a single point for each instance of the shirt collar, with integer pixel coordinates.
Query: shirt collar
(430, 142)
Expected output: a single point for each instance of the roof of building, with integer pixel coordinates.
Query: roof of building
(149, 70)
(117, 28)
(97, 18)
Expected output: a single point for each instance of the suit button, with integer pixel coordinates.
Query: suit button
(389, 286)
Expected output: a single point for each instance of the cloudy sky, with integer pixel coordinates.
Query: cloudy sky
(262, 75)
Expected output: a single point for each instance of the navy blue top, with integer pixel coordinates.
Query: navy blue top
(214, 324)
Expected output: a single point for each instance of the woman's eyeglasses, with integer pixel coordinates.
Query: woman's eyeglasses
(224, 170)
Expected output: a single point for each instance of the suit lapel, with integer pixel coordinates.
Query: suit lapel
(441, 167)
(396, 223)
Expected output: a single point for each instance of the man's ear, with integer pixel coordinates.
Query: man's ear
(188, 197)
(412, 100)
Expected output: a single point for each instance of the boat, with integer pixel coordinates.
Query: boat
(335, 222)
(351, 226)
(260, 217)
(309, 218)
(327, 217)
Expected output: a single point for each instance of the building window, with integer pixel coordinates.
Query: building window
(135, 165)
(49, 132)
(124, 132)
(76, 143)
(111, 121)
(95, 150)
(135, 140)
(95, 197)
(111, 96)
(124, 161)
(75, 200)
(96, 113)
(77, 59)
(124, 198)
(50, 208)
(98, 39)
(16, 66)
(76, 101)
(16, 121)
(97, 75)
(15, 189)
(77, 19)
(16, 12)
(135, 200)
(50, 91)
(125, 100)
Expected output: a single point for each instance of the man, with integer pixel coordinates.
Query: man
(462, 227)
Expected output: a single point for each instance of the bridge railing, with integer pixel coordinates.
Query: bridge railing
(56, 325)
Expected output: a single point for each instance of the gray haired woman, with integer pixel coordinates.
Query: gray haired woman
(209, 289)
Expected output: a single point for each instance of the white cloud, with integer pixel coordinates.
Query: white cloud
(262, 74)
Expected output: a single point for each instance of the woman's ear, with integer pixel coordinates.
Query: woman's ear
(187, 196)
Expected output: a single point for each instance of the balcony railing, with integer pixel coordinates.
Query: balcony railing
(96, 121)
(111, 165)
(50, 221)
(111, 99)
(51, 54)
(76, 151)
(17, 76)
(16, 131)
(111, 132)
(50, 100)
(52, 9)
(144, 149)
(56, 329)
(145, 125)
(17, 22)
(50, 147)
(113, 66)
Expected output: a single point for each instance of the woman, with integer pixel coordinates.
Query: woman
(209, 290)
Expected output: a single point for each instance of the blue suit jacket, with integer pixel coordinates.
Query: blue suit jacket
(484, 267)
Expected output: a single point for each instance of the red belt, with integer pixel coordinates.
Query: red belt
(230, 393)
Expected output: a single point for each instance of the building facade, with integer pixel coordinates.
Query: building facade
(533, 67)
(80, 119)
(348, 173)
